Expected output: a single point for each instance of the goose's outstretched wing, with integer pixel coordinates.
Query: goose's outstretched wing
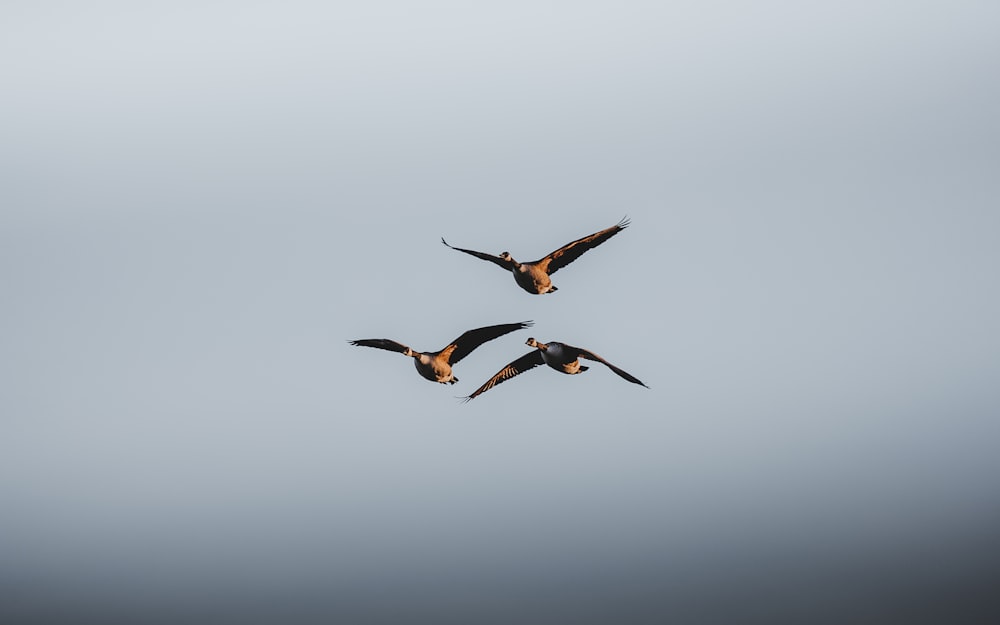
(463, 345)
(506, 264)
(529, 361)
(571, 251)
(388, 344)
(583, 353)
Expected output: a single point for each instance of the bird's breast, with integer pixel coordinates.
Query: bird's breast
(554, 355)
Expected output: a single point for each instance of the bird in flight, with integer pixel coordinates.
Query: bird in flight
(534, 277)
(560, 356)
(436, 366)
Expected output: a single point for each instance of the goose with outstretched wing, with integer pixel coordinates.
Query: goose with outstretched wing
(534, 277)
(436, 366)
(560, 356)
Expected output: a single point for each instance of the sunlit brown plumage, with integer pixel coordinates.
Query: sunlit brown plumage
(534, 277)
(436, 366)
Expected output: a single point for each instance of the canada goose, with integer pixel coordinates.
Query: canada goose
(534, 277)
(560, 356)
(436, 366)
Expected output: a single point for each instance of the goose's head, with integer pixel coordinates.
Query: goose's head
(409, 352)
(506, 257)
(533, 343)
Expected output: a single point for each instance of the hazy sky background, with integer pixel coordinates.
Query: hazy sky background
(202, 202)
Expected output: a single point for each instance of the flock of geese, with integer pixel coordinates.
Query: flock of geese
(533, 277)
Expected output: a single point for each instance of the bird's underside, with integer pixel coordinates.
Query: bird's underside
(437, 366)
(559, 356)
(533, 277)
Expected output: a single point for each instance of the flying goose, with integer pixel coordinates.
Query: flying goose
(436, 366)
(534, 277)
(560, 356)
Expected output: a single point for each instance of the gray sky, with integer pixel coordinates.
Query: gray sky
(202, 202)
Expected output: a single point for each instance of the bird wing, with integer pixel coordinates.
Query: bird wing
(529, 361)
(388, 344)
(506, 264)
(571, 251)
(463, 345)
(583, 353)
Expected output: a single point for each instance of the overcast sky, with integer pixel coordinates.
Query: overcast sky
(202, 202)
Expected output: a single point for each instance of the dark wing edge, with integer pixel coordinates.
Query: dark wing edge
(583, 353)
(571, 251)
(483, 255)
(387, 344)
(465, 344)
(528, 361)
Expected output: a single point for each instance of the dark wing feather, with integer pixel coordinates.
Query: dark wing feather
(506, 264)
(583, 353)
(392, 346)
(571, 251)
(529, 361)
(463, 345)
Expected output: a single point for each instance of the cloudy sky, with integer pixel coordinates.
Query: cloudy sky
(202, 202)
